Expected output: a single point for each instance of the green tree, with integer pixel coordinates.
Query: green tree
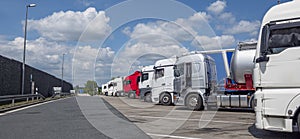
(90, 87)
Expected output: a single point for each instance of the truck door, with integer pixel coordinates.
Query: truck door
(279, 61)
(280, 58)
(188, 75)
(185, 78)
(159, 80)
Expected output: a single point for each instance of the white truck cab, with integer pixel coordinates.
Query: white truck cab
(276, 72)
(162, 82)
(145, 84)
(115, 87)
(104, 89)
(195, 80)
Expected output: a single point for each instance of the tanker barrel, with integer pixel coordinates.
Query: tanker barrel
(242, 61)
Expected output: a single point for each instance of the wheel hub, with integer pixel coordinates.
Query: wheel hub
(165, 99)
(193, 101)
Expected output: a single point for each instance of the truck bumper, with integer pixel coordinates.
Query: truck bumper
(270, 122)
(274, 123)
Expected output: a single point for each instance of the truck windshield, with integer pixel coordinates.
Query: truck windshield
(283, 36)
(145, 76)
(127, 82)
(158, 73)
(178, 70)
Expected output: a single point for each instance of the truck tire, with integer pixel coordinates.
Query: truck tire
(117, 94)
(298, 122)
(131, 95)
(166, 99)
(194, 102)
(147, 97)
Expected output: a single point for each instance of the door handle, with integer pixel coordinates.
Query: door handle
(163, 84)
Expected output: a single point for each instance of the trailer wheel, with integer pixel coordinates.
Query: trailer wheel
(166, 99)
(194, 102)
(147, 97)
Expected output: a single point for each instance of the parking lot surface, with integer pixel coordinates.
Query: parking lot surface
(178, 122)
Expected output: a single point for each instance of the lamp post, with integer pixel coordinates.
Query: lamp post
(24, 51)
(62, 72)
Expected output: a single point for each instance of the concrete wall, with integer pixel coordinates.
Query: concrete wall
(11, 76)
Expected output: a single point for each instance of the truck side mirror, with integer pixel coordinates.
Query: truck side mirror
(262, 59)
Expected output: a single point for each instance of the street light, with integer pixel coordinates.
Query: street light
(62, 72)
(25, 35)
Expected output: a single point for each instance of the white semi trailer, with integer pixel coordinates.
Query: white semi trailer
(195, 80)
(145, 84)
(162, 82)
(276, 72)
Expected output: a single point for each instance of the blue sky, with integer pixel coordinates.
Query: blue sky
(105, 34)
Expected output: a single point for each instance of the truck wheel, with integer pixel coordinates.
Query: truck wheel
(147, 97)
(166, 99)
(194, 102)
(298, 122)
(106, 93)
(131, 95)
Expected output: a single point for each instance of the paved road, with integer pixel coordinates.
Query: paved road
(178, 122)
(64, 119)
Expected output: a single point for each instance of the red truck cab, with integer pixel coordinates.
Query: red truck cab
(131, 85)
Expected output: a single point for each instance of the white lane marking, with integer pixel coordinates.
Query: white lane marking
(168, 118)
(23, 108)
(171, 136)
(187, 111)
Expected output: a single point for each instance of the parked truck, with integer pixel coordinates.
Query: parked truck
(131, 85)
(104, 89)
(115, 87)
(195, 80)
(276, 72)
(239, 90)
(162, 83)
(145, 84)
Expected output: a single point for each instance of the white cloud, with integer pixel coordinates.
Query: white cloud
(136, 53)
(69, 25)
(40, 53)
(244, 27)
(89, 60)
(86, 2)
(227, 22)
(180, 29)
(214, 43)
(58, 32)
(217, 7)
(227, 17)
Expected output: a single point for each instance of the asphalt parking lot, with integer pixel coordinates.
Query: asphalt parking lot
(178, 122)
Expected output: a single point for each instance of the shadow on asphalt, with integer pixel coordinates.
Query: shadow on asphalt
(115, 111)
(258, 133)
(220, 109)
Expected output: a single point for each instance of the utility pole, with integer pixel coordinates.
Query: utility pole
(24, 50)
(62, 72)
